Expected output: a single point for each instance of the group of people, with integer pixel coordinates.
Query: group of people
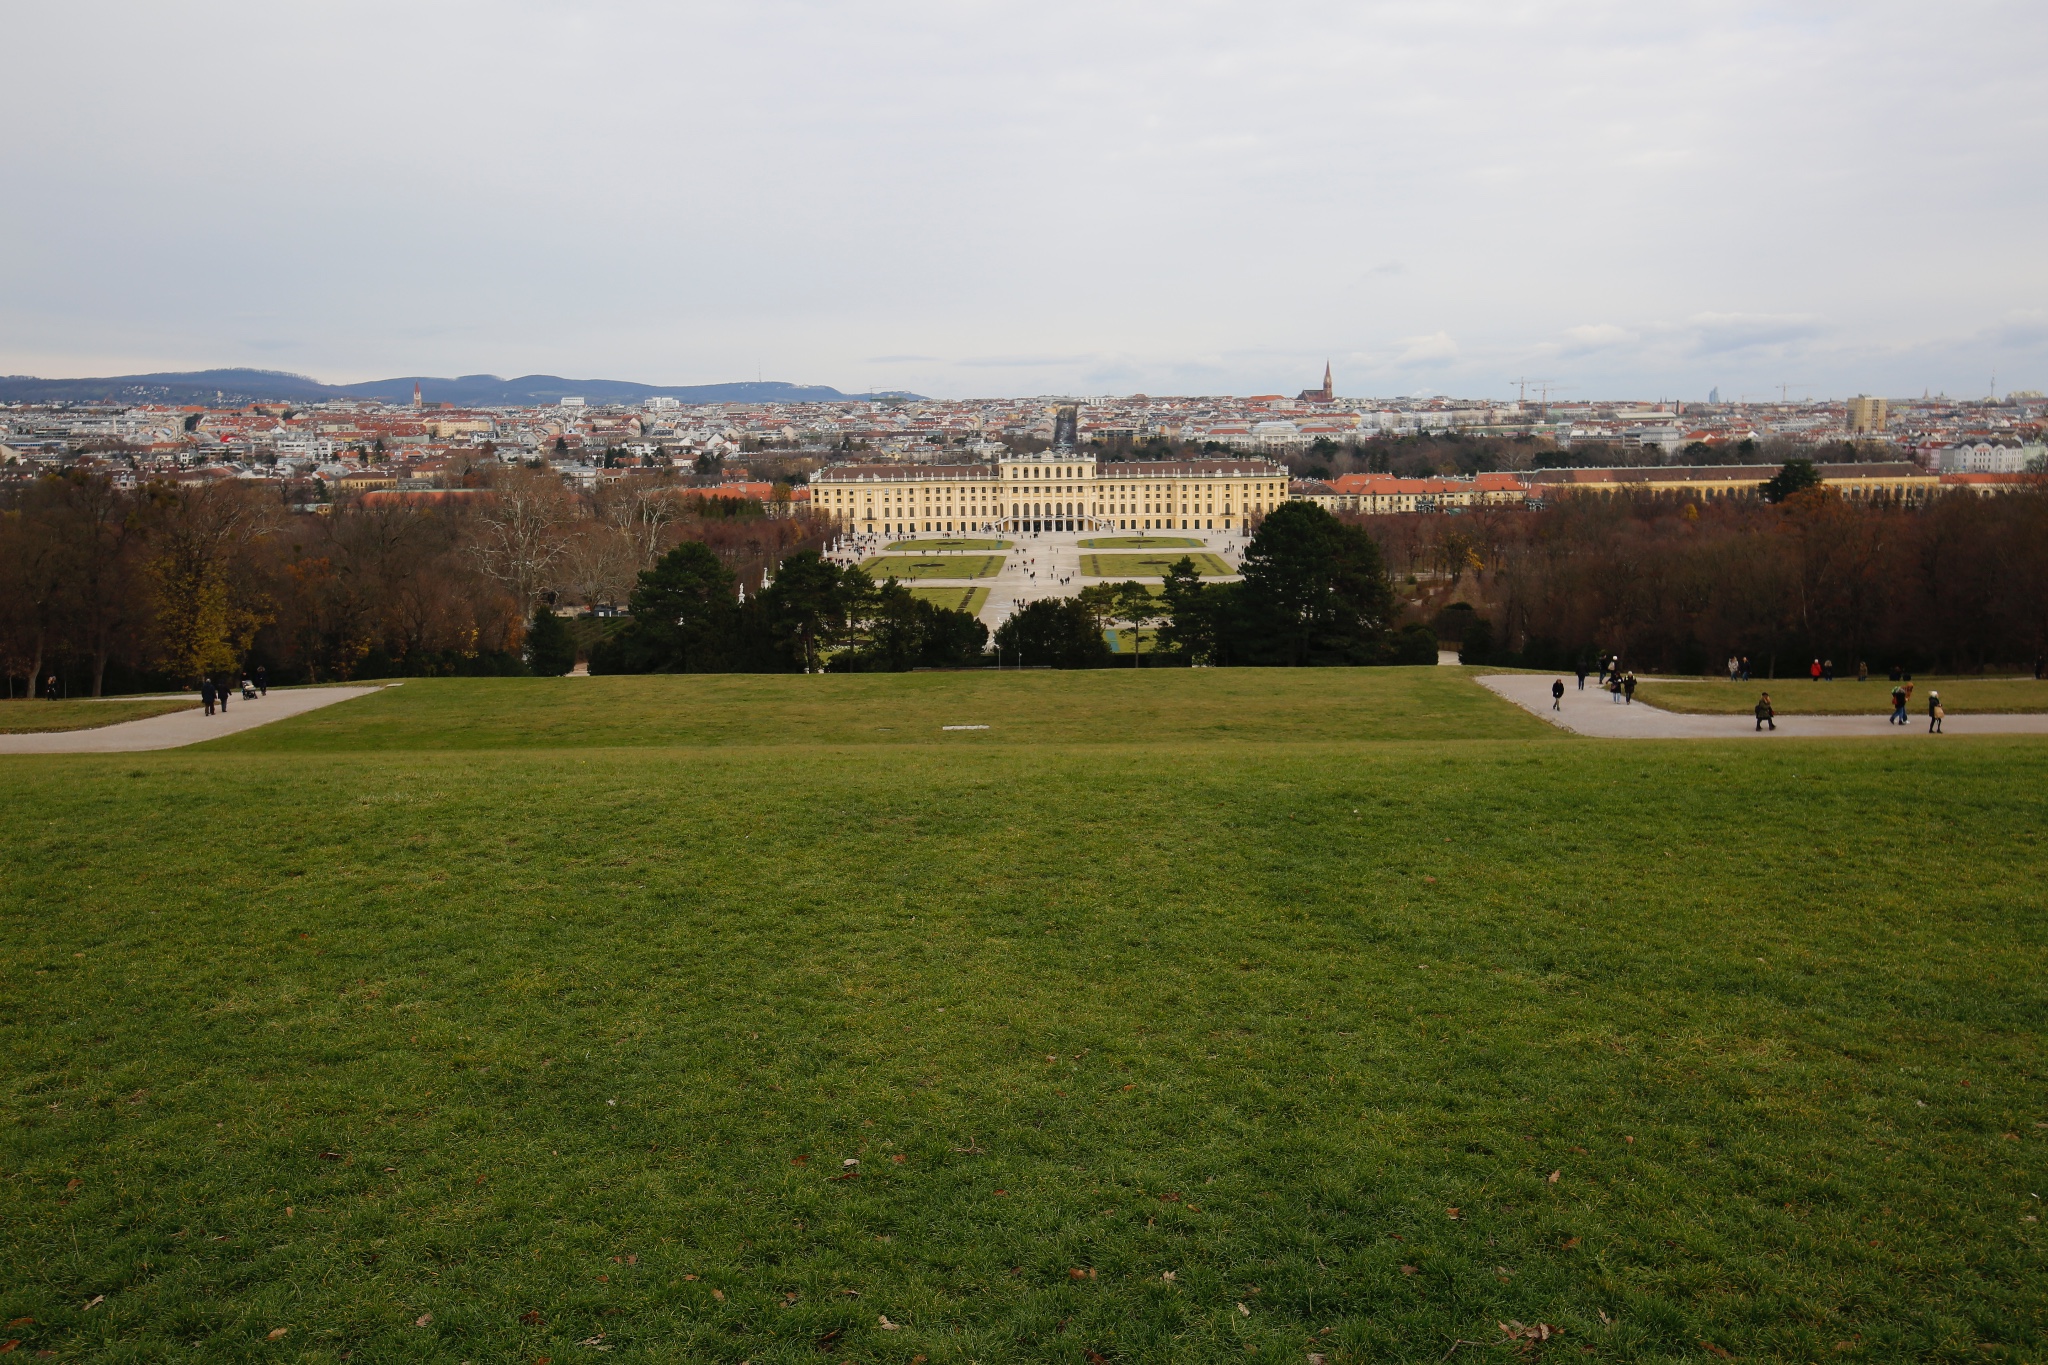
(1620, 686)
(216, 691)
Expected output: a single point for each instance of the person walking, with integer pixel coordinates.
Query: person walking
(1814, 672)
(1934, 712)
(1863, 670)
(1898, 706)
(1601, 679)
(262, 681)
(1734, 667)
(1614, 687)
(206, 693)
(1628, 687)
(1827, 670)
(221, 688)
(1582, 675)
(1745, 668)
(1766, 714)
(1557, 692)
(50, 688)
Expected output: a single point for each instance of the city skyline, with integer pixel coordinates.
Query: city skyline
(1820, 199)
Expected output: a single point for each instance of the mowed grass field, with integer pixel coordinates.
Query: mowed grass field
(1136, 542)
(1804, 697)
(469, 1022)
(949, 544)
(910, 567)
(969, 600)
(28, 717)
(1151, 566)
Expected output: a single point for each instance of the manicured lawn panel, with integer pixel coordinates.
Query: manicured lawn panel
(1844, 697)
(946, 543)
(969, 600)
(28, 717)
(1151, 566)
(1137, 542)
(909, 567)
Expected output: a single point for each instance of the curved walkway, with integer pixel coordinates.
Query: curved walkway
(180, 728)
(1592, 712)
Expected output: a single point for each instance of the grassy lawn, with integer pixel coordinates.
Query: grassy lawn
(946, 544)
(1150, 566)
(1136, 542)
(514, 1045)
(969, 600)
(1802, 697)
(1021, 708)
(27, 717)
(908, 567)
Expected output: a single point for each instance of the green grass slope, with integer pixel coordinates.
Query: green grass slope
(511, 1053)
(1164, 706)
(26, 716)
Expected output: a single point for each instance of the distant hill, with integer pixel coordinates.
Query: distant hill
(238, 386)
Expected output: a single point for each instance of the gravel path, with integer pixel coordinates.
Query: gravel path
(1592, 712)
(180, 728)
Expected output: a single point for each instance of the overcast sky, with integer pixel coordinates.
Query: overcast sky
(984, 198)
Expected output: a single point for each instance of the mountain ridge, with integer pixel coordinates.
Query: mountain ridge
(241, 385)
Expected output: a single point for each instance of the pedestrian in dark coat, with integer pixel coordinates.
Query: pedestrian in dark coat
(1628, 685)
(1766, 714)
(1898, 707)
(262, 681)
(1935, 712)
(1582, 677)
(206, 693)
(1557, 692)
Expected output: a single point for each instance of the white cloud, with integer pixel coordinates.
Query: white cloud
(1196, 192)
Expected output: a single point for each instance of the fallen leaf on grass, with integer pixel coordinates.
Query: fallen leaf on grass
(1515, 1331)
(330, 1156)
(1554, 1176)
(21, 1322)
(93, 1302)
(1315, 1358)
(1243, 1311)
(73, 1183)
(278, 1333)
(1167, 1276)
(1169, 1198)
(799, 1160)
(689, 1277)
(845, 1175)
(1408, 1270)
(898, 1159)
(1002, 1191)
(825, 1342)
(1716, 1350)
(596, 1343)
(1080, 1274)
(423, 1319)
(882, 1321)
(1454, 1213)
(1570, 1242)
(531, 1317)
(718, 1294)
(6, 1346)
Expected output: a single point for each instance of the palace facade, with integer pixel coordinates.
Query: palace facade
(1057, 490)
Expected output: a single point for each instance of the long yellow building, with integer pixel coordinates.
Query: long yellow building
(1058, 490)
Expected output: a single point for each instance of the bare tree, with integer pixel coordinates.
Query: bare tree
(523, 533)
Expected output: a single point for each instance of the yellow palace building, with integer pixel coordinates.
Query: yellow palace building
(1058, 490)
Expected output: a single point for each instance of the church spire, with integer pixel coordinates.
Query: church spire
(1329, 386)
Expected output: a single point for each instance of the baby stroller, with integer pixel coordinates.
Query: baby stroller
(248, 690)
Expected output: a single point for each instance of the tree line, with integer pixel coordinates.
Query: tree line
(119, 589)
(1677, 584)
